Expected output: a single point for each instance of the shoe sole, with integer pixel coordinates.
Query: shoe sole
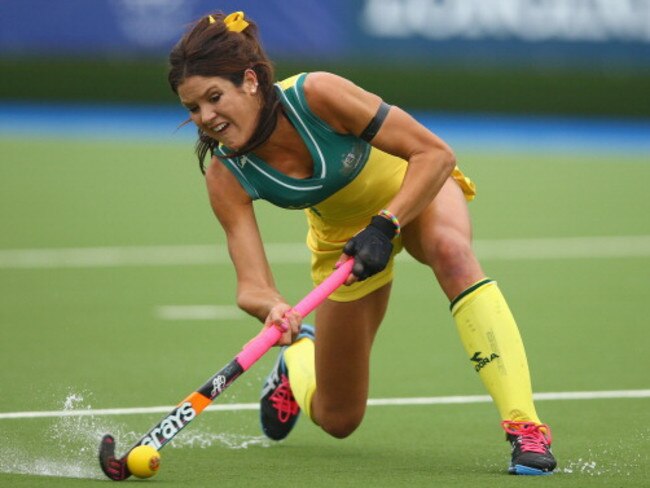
(518, 469)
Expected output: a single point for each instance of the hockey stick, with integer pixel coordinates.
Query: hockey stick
(165, 430)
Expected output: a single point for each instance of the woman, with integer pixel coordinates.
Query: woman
(372, 181)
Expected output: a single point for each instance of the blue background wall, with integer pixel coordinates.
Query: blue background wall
(489, 31)
(588, 57)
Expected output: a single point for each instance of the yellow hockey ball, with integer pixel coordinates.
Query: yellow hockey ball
(143, 461)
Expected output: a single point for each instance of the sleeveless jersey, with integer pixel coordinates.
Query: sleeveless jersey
(337, 158)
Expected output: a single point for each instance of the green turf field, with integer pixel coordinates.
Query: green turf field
(80, 337)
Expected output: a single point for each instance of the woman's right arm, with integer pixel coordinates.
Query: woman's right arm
(233, 207)
(256, 291)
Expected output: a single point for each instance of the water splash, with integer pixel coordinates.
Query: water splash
(204, 440)
(76, 439)
(582, 467)
(17, 461)
(600, 461)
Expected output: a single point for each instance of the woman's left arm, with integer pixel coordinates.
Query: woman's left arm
(349, 109)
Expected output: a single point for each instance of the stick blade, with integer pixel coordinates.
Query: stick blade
(112, 467)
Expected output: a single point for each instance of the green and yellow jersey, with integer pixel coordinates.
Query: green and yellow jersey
(352, 181)
(337, 158)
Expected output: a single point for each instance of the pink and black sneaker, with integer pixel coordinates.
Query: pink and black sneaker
(279, 410)
(531, 448)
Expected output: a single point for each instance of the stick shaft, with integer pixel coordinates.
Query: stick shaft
(197, 401)
(266, 339)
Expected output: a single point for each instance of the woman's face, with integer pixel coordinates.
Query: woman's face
(222, 110)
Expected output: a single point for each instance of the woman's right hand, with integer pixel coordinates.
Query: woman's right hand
(282, 312)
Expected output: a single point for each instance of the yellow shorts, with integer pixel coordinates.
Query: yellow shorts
(338, 218)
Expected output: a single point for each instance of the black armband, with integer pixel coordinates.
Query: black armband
(375, 124)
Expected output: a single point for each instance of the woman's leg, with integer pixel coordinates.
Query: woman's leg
(441, 238)
(345, 333)
(338, 355)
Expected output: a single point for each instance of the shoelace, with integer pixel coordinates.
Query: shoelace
(531, 437)
(282, 400)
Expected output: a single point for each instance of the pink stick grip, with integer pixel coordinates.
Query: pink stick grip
(266, 339)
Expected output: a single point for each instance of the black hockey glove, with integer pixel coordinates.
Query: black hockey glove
(371, 247)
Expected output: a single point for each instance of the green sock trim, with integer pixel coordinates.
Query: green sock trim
(472, 288)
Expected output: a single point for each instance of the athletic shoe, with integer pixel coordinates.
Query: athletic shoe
(531, 448)
(279, 410)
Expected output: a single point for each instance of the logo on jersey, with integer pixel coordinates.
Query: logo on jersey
(242, 160)
(351, 160)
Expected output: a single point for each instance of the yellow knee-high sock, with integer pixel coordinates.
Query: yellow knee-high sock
(491, 338)
(300, 360)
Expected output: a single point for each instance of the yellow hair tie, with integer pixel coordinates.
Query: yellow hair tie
(235, 22)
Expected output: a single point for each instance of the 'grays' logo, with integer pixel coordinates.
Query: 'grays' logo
(170, 425)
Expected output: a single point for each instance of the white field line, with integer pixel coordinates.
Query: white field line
(376, 402)
(296, 253)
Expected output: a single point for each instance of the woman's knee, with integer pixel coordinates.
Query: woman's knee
(451, 255)
(340, 428)
(340, 424)
(455, 265)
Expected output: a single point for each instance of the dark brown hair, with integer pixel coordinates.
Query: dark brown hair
(208, 49)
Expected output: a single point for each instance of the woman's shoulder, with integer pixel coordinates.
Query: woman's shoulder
(322, 88)
(330, 97)
(323, 82)
(313, 82)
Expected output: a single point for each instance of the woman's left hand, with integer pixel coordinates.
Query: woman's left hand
(371, 249)
(280, 314)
